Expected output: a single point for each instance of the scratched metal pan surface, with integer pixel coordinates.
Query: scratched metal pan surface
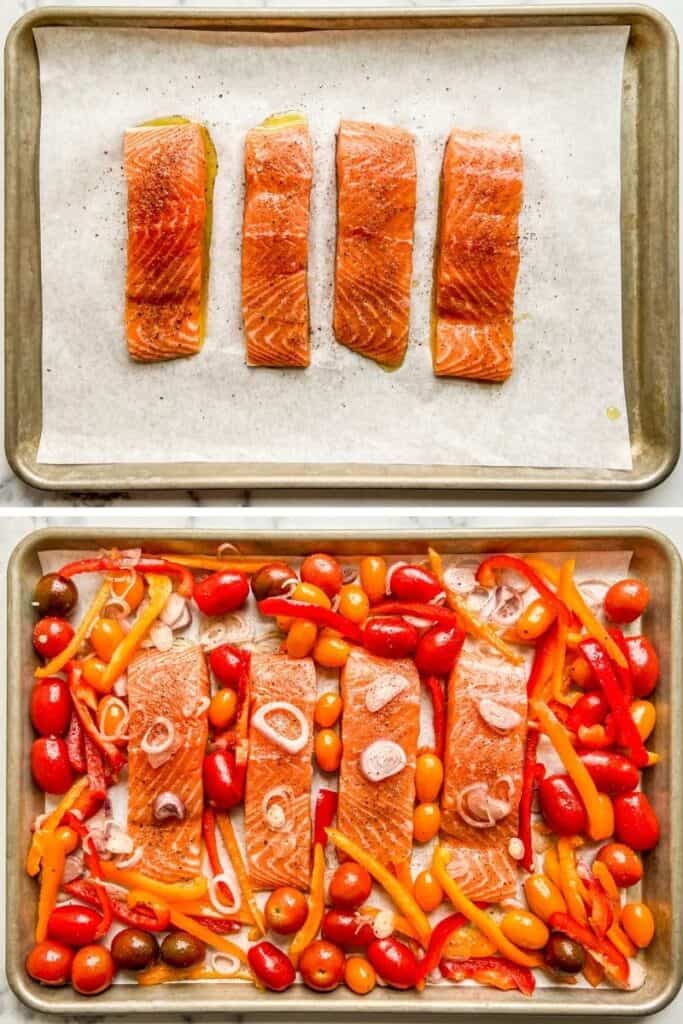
(655, 560)
(649, 232)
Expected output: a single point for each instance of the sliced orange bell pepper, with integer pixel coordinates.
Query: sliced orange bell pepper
(316, 907)
(82, 631)
(211, 563)
(615, 932)
(402, 872)
(52, 822)
(211, 938)
(196, 908)
(160, 589)
(172, 892)
(52, 858)
(228, 833)
(160, 974)
(570, 883)
(563, 591)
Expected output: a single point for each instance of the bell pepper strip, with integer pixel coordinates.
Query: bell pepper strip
(325, 810)
(86, 806)
(140, 916)
(598, 737)
(494, 971)
(93, 864)
(95, 769)
(434, 613)
(212, 563)
(160, 974)
(316, 907)
(486, 575)
(558, 675)
(75, 749)
(526, 799)
(542, 666)
(600, 914)
(51, 823)
(312, 613)
(196, 908)
(229, 839)
(623, 674)
(85, 693)
(106, 747)
(615, 932)
(629, 737)
(172, 892)
(159, 591)
(551, 866)
(571, 886)
(52, 859)
(402, 871)
(220, 925)
(479, 918)
(593, 971)
(438, 941)
(436, 692)
(140, 899)
(599, 810)
(403, 900)
(82, 631)
(204, 934)
(614, 962)
(209, 837)
(145, 564)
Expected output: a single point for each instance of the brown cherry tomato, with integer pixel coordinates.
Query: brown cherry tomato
(55, 595)
(626, 600)
(563, 954)
(328, 750)
(427, 891)
(395, 962)
(350, 886)
(561, 805)
(134, 949)
(271, 966)
(51, 636)
(638, 923)
(50, 765)
(221, 592)
(105, 637)
(624, 864)
(323, 571)
(437, 650)
(229, 665)
(327, 710)
(93, 970)
(286, 910)
(389, 637)
(354, 603)
(322, 966)
(644, 664)
(73, 925)
(180, 949)
(223, 708)
(373, 577)
(635, 821)
(347, 928)
(49, 962)
(130, 587)
(359, 975)
(272, 580)
(413, 583)
(535, 620)
(50, 706)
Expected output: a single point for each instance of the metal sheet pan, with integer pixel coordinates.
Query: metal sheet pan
(649, 225)
(654, 559)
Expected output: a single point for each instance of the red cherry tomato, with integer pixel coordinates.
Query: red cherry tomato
(635, 821)
(50, 707)
(50, 963)
(50, 765)
(51, 636)
(413, 583)
(644, 664)
(322, 966)
(612, 773)
(221, 593)
(324, 572)
(228, 664)
(347, 929)
(93, 970)
(74, 925)
(437, 650)
(286, 910)
(271, 966)
(591, 709)
(561, 805)
(350, 886)
(624, 864)
(223, 779)
(626, 600)
(395, 963)
(389, 637)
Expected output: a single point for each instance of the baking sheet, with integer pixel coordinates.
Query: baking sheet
(559, 88)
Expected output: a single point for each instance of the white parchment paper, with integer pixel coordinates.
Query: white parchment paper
(559, 89)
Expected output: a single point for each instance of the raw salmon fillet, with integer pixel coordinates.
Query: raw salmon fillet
(278, 163)
(169, 684)
(476, 752)
(278, 782)
(376, 181)
(167, 175)
(477, 256)
(378, 815)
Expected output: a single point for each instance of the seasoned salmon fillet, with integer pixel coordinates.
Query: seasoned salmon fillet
(477, 256)
(167, 688)
(485, 738)
(381, 702)
(169, 166)
(376, 182)
(277, 802)
(278, 163)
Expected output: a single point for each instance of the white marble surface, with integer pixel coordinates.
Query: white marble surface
(13, 492)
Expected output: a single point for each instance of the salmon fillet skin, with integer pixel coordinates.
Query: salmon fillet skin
(477, 256)
(166, 172)
(485, 739)
(171, 685)
(378, 815)
(278, 162)
(377, 188)
(277, 802)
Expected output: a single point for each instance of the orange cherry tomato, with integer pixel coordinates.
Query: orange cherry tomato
(581, 673)
(373, 578)
(93, 670)
(638, 923)
(644, 715)
(301, 638)
(331, 651)
(105, 637)
(92, 970)
(624, 864)
(223, 708)
(286, 910)
(327, 710)
(524, 929)
(311, 594)
(544, 897)
(535, 620)
(626, 600)
(350, 886)
(359, 975)
(328, 750)
(323, 571)
(354, 603)
(130, 586)
(110, 716)
(427, 891)
(321, 966)
(426, 821)
(49, 962)
(428, 777)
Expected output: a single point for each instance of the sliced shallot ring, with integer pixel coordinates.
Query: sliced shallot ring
(292, 746)
(131, 861)
(234, 964)
(390, 572)
(115, 601)
(287, 795)
(161, 636)
(500, 717)
(383, 690)
(382, 759)
(227, 546)
(215, 900)
(161, 746)
(593, 592)
(383, 924)
(506, 598)
(460, 580)
(173, 610)
(129, 558)
(121, 726)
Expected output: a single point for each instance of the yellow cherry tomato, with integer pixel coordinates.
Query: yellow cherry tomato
(644, 715)
(328, 750)
(536, 618)
(373, 577)
(93, 670)
(544, 897)
(427, 891)
(331, 651)
(359, 975)
(638, 923)
(223, 708)
(105, 637)
(130, 586)
(328, 709)
(110, 715)
(524, 929)
(426, 821)
(354, 603)
(68, 838)
(428, 777)
(310, 594)
(301, 638)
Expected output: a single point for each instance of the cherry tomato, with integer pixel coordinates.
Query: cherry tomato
(544, 897)
(328, 750)
(93, 970)
(626, 600)
(359, 975)
(644, 664)
(223, 708)
(354, 603)
(638, 923)
(591, 709)
(328, 709)
(228, 664)
(644, 715)
(221, 592)
(524, 929)
(94, 670)
(561, 805)
(73, 925)
(612, 773)
(331, 651)
(105, 637)
(286, 910)
(324, 572)
(635, 821)
(426, 821)
(389, 637)
(427, 891)
(50, 963)
(222, 779)
(272, 580)
(582, 674)
(50, 765)
(428, 777)
(322, 966)
(271, 966)
(311, 593)
(130, 586)
(50, 707)
(624, 864)
(55, 595)
(373, 577)
(395, 963)
(111, 715)
(350, 886)
(413, 583)
(535, 620)
(301, 638)
(437, 650)
(347, 928)
(51, 636)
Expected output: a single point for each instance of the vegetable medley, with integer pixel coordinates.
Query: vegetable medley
(569, 818)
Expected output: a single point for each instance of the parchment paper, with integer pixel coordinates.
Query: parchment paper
(559, 89)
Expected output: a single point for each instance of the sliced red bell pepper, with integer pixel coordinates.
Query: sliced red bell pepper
(75, 748)
(437, 943)
(600, 915)
(417, 610)
(92, 863)
(325, 810)
(614, 962)
(146, 563)
(209, 836)
(108, 749)
(97, 781)
(542, 666)
(219, 925)
(629, 737)
(486, 576)
(141, 916)
(436, 693)
(495, 971)
(313, 613)
(623, 673)
(526, 798)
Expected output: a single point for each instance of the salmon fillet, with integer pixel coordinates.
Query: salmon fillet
(378, 815)
(169, 684)
(169, 189)
(277, 802)
(478, 752)
(376, 181)
(279, 171)
(477, 256)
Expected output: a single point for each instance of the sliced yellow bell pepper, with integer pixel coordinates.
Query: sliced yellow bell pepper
(160, 589)
(211, 563)
(82, 631)
(563, 591)
(570, 883)
(316, 907)
(52, 822)
(172, 892)
(230, 840)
